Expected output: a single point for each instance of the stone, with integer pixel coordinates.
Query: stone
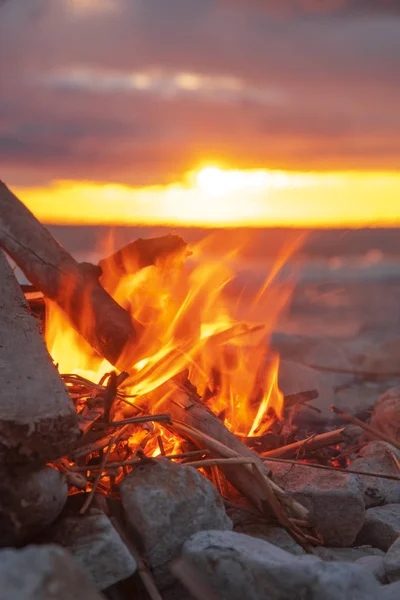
(390, 592)
(381, 526)
(43, 573)
(346, 554)
(30, 500)
(96, 546)
(334, 500)
(392, 562)
(375, 565)
(165, 503)
(386, 416)
(376, 457)
(277, 536)
(238, 566)
(257, 526)
(38, 420)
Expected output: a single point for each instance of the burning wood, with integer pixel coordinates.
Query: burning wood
(73, 286)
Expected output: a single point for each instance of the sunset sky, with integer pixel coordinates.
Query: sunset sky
(207, 112)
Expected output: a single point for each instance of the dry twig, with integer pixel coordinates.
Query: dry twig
(374, 432)
(114, 440)
(314, 442)
(335, 469)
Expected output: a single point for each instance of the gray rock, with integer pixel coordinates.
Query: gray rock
(238, 566)
(278, 537)
(381, 526)
(390, 592)
(96, 546)
(334, 500)
(43, 573)
(376, 457)
(165, 503)
(346, 554)
(386, 416)
(29, 502)
(392, 562)
(243, 522)
(375, 565)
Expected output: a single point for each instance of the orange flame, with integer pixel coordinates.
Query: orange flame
(191, 318)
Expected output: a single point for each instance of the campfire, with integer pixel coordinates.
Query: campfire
(152, 368)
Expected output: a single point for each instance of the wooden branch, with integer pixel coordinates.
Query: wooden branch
(37, 418)
(73, 286)
(376, 433)
(143, 253)
(312, 443)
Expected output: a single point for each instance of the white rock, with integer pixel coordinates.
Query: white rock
(334, 500)
(165, 503)
(29, 501)
(239, 567)
(392, 562)
(43, 573)
(376, 457)
(96, 546)
(381, 526)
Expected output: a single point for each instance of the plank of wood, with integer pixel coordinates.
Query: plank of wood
(37, 417)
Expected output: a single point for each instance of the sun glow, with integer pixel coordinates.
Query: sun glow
(215, 196)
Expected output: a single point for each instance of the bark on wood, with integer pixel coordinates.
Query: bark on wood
(37, 417)
(73, 286)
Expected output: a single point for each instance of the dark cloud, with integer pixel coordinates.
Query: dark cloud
(309, 91)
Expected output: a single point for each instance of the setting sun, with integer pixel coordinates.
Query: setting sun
(213, 196)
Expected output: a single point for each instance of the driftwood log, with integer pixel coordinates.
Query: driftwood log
(73, 286)
(37, 417)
